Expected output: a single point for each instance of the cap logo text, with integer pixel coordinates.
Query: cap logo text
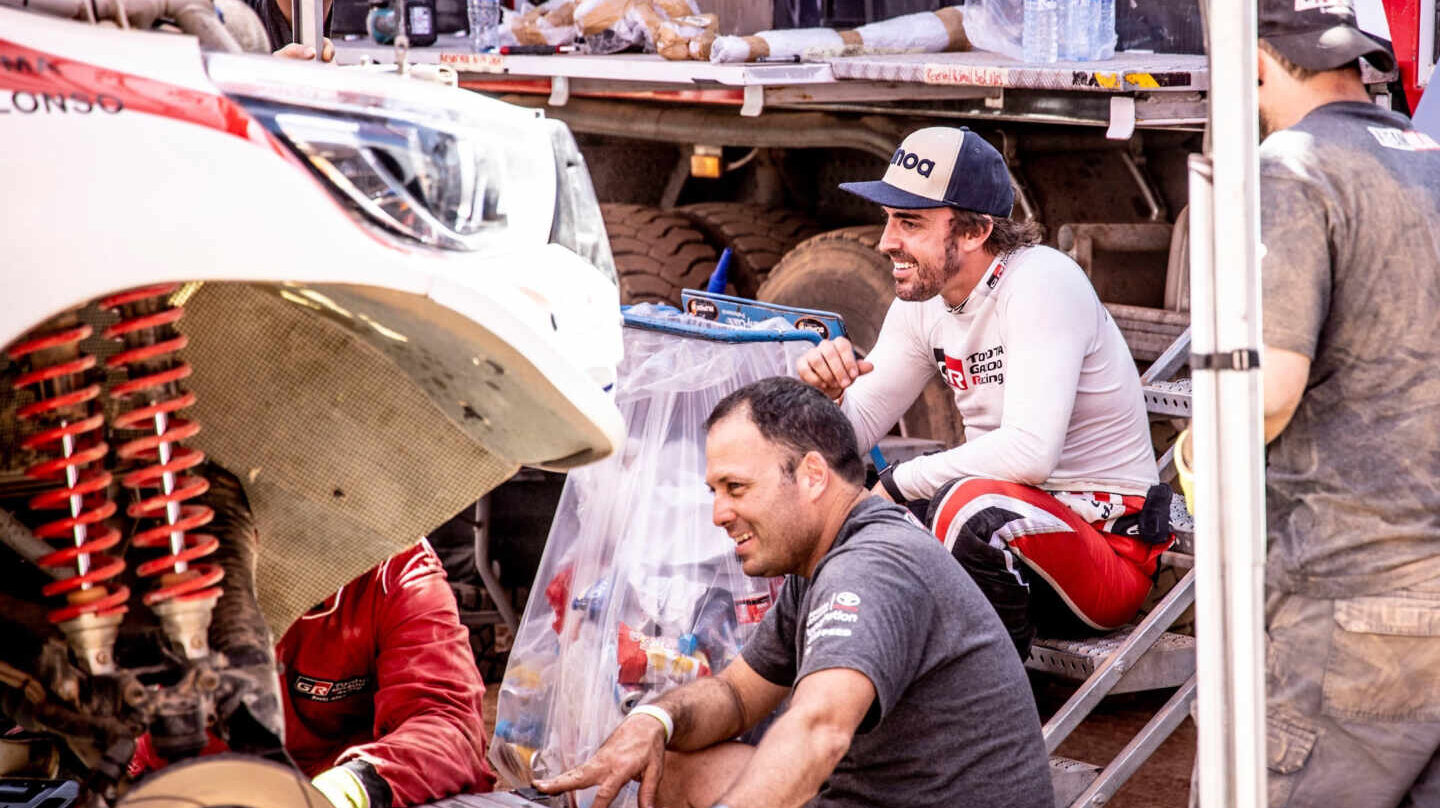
(912, 161)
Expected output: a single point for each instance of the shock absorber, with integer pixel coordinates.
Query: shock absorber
(159, 468)
(69, 431)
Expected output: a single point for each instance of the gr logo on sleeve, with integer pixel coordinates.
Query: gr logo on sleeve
(323, 690)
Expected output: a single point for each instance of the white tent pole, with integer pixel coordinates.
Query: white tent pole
(1228, 423)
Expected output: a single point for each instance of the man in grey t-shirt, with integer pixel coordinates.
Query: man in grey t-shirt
(1351, 272)
(904, 688)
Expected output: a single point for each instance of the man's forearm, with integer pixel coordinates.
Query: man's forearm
(705, 712)
(791, 763)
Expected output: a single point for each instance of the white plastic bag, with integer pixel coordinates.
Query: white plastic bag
(996, 25)
(638, 591)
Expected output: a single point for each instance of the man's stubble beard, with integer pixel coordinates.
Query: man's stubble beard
(928, 282)
(1267, 123)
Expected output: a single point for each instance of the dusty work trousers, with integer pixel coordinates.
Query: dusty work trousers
(1353, 711)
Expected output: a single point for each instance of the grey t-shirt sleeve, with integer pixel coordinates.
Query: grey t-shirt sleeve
(869, 612)
(770, 651)
(1295, 272)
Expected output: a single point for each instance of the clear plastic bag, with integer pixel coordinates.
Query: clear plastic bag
(996, 25)
(638, 591)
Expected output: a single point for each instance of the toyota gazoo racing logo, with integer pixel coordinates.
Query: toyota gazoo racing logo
(833, 617)
(913, 162)
(308, 687)
(952, 370)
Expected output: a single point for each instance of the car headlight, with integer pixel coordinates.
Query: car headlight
(445, 167)
(437, 187)
(578, 222)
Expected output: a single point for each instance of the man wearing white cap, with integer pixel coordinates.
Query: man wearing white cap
(1042, 503)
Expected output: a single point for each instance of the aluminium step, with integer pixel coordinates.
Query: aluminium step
(1182, 524)
(1168, 398)
(1070, 778)
(1168, 663)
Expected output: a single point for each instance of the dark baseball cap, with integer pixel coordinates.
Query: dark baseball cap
(942, 166)
(1319, 34)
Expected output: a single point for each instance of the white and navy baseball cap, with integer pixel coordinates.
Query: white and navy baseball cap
(942, 166)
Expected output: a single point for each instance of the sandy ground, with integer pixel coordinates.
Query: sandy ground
(1164, 780)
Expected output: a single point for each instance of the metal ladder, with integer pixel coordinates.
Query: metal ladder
(1145, 656)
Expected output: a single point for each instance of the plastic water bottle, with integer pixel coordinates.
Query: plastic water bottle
(1040, 36)
(1077, 25)
(1102, 42)
(484, 24)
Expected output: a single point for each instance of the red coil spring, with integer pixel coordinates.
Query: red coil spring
(153, 370)
(86, 592)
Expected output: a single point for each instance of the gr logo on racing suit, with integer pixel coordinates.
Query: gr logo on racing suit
(321, 690)
(981, 367)
(952, 370)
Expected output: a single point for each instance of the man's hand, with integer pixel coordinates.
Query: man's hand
(636, 749)
(295, 50)
(831, 366)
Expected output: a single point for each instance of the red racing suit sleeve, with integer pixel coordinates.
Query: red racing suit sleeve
(429, 734)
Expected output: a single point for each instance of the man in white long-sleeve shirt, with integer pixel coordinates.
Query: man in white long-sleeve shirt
(1042, 502)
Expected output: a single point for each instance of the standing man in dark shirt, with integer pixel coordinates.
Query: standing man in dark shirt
(904, 688)
(1350, 221)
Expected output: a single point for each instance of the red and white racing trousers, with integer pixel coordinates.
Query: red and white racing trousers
(1062, 563)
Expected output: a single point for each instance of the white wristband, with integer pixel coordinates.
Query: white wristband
(659, 714)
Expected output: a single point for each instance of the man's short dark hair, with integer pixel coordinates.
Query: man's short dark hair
(797, 416)
(1006, 235)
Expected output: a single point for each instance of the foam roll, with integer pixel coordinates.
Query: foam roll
(954, 21)
(813, 43)
(924, 32)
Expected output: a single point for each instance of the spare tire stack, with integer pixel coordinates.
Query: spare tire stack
(657, 253)
(757, 237)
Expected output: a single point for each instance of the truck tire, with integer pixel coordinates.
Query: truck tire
(758, 237)
(841, 271)
(656, 253)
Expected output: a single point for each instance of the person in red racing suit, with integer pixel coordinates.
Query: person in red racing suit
(380, 680)
(382, 697)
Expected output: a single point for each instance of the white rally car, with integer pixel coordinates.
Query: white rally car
(394, 293)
